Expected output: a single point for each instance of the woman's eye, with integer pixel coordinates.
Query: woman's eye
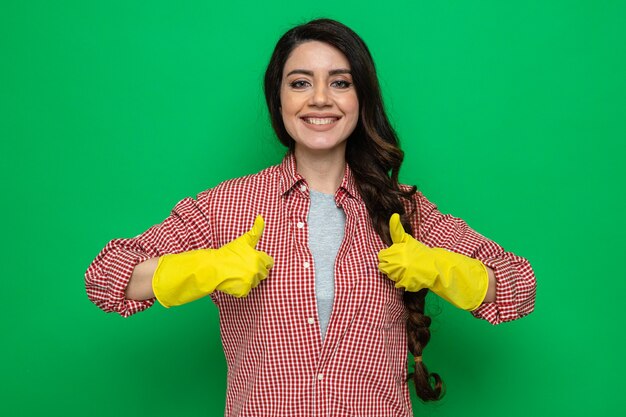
(342, 84)
(298, 84)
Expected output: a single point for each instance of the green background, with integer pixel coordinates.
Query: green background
(512, 116)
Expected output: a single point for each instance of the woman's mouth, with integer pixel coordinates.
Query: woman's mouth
(320, 120)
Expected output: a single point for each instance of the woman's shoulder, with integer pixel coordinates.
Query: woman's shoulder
(237, 201)
(418, 205)
(244, 185)
(416, 195)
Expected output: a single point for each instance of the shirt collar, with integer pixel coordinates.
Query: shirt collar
(289, 176)
(291, 179)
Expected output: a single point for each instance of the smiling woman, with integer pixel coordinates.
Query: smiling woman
(320, 265)
(319, 104)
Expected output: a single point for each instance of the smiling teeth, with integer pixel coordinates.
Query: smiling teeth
(320, 121)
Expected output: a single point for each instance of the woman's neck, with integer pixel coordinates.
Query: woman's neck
(322, 171)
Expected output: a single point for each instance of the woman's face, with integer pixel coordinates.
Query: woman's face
(319, 104)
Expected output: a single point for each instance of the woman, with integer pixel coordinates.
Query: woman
(319, 300)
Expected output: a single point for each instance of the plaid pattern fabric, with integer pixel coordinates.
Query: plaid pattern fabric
(277, 362)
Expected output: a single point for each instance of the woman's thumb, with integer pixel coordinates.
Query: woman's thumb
(254, 235)
(395, 229)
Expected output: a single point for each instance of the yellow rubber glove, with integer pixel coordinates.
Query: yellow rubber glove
(459, 279)
(235, 268)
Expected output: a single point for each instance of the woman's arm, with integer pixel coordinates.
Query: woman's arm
(108, 277)
(140, 285)
(512, 284)
(491, 290)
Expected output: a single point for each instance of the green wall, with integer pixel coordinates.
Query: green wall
(512, 116)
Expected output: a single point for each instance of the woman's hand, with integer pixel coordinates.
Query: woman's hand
(235, 268)
(461, 280)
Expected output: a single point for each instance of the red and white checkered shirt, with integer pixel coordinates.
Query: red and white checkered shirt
(278, 364)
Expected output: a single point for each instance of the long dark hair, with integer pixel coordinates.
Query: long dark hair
(374, 156)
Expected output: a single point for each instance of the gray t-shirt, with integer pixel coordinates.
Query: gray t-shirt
(326, 229)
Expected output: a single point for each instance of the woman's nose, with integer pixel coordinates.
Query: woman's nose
(320, 96)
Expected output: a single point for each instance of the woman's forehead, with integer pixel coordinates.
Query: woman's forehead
(316, 56)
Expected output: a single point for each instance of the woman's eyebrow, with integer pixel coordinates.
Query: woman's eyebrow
(339, 71)
(310, 73)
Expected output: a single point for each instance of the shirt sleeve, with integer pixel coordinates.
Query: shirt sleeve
(108, 275)
(515, 279)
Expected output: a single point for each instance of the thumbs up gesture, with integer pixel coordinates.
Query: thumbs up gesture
(459, 279)
(235, 269)
(404, 261)
(242, 266)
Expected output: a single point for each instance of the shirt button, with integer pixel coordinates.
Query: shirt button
(306, 265)
(303, 188)
(320, 376)
(311, 320)
(300, 225)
